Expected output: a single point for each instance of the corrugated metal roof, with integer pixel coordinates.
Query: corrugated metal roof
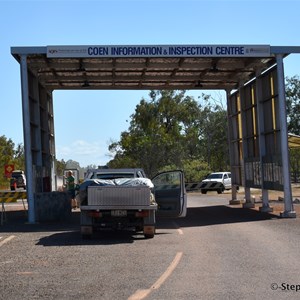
(145, 73)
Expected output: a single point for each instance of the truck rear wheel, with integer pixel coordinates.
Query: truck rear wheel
(149, 231)
(149, 236)
(86, 232)
(86, 236)
(138, 228)
(203, 191)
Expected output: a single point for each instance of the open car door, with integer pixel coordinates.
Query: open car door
(170, 194)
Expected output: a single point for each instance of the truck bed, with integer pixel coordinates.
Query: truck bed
(121, 203)
(126, 197)
(109, 207)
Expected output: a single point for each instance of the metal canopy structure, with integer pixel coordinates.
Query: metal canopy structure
(233, 68)
(146, 73)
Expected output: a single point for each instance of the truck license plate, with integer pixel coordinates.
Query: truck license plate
(119, 213)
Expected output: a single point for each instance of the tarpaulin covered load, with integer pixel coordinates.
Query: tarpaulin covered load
(134, 182)
(115, 182)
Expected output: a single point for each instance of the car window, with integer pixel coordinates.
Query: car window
(214, 176)
(114, 176)
(167, 180)
(140, 175)
(17, 175)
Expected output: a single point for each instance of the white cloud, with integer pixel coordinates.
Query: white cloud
(84, 152)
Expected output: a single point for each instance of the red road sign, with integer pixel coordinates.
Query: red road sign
(8, 170)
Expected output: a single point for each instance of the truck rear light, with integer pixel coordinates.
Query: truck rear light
(142, 214)
(95, 214)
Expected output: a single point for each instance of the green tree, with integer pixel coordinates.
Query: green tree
(19, 157)
(72, 164)
(293, 104)
(7, 153)
(292, 88)
(215, 141)
(171, 129)
(156, 136)
(213, 137)
(10, 155)
(60, 167)
(195, 170)
(295, 164)
(7, 149)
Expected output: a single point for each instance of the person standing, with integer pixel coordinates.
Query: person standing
(70, 180)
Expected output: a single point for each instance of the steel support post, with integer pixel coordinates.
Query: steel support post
(234, 199)
(27, 139)
(287, 189)
(248, 202)
(262, 143)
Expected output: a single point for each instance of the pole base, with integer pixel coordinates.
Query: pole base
(266, 209)
(248, 205)
(236, 201)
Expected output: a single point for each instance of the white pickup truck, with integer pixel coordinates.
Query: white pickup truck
(126, 199)
(218, 181)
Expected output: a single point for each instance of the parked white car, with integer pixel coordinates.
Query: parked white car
(18, 180)
(218, 181)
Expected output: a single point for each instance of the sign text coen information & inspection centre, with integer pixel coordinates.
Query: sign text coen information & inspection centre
(159, 51)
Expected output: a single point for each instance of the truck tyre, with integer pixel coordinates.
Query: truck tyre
(86, 236)
(203, 191)
(149, 232)
(149, 236)
(138, 228)
(86, 232)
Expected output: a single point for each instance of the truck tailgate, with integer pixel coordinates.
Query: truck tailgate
(111, 196)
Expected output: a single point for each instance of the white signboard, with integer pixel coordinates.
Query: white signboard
(160, 51)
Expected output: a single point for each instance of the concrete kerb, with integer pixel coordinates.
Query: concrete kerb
(276, 202)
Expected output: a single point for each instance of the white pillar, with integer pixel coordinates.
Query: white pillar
(248, 202)
(262, 144)
(287, 189)
(234, 199)
(27, 140)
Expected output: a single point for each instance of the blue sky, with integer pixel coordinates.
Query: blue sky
(86, 121)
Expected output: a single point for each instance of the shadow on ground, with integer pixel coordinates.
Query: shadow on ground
(67, 232)
(216, 215)
(17, 221)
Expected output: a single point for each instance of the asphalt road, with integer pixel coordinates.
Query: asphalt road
(217, 252)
